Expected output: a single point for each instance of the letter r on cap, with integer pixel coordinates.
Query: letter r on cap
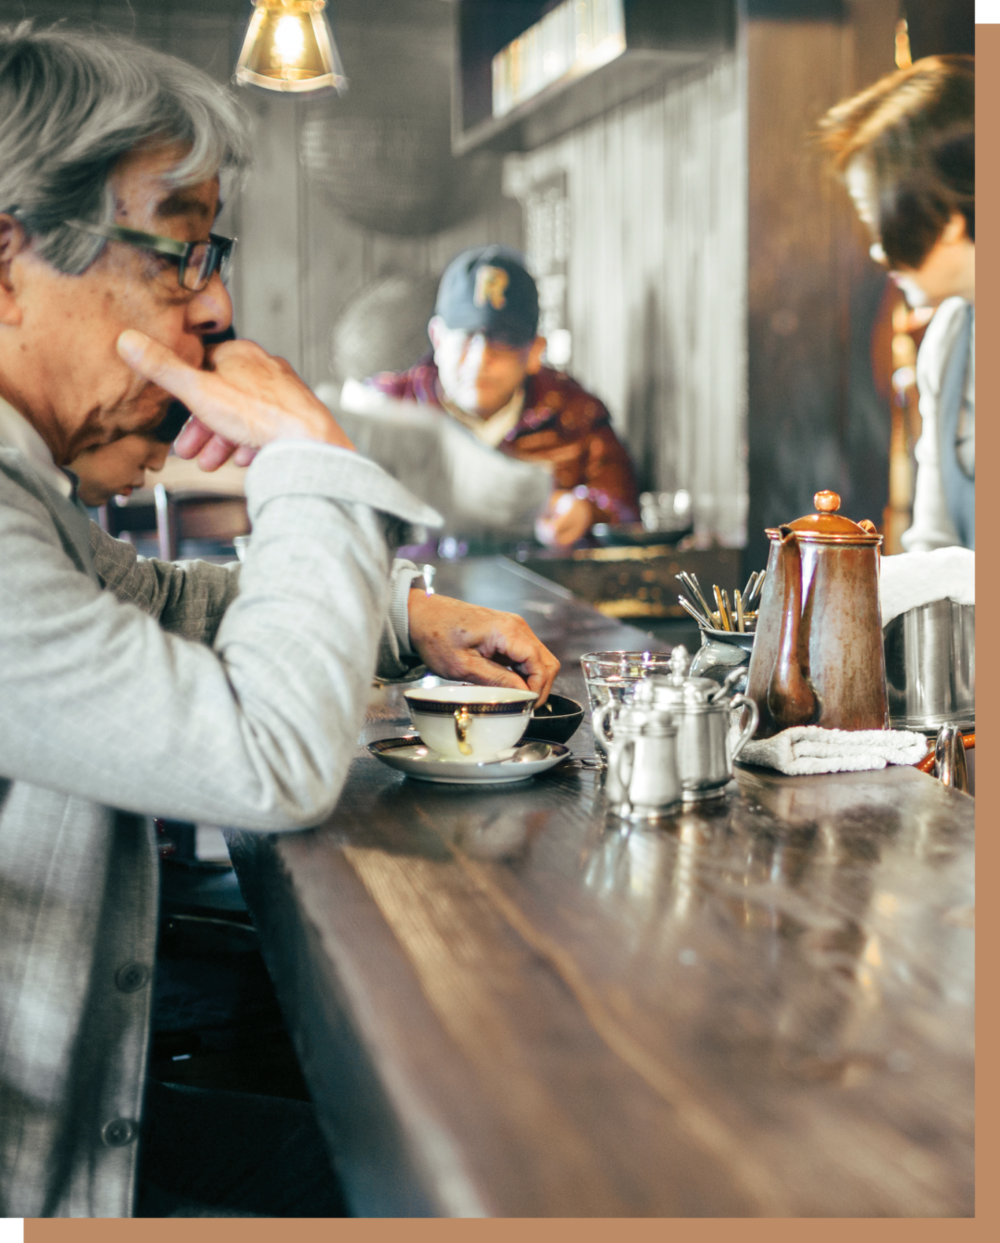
(491, 286)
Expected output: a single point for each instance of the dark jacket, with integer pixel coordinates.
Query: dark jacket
(561, 423)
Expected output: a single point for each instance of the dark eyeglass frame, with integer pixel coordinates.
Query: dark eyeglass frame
(197, 262)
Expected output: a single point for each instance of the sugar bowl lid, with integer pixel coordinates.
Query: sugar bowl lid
(676, 690)
(826, 524)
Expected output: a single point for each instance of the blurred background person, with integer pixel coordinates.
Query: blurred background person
(905, 148)
(115, 469)
(485, 370)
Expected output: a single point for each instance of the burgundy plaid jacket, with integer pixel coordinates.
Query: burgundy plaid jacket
(561, 423)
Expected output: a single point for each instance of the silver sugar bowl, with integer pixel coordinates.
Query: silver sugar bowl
(708, 737)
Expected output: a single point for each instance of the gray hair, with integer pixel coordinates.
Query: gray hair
(72, 104)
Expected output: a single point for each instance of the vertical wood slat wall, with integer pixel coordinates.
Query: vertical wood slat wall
(815, 419)
(341, 258)
(657, 280)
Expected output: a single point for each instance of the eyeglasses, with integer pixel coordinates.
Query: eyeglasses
(197, 262)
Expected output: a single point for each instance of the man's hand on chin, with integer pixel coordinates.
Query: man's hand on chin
(466, 643)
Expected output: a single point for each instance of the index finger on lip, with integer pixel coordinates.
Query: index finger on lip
(151, 358)
(159, 363)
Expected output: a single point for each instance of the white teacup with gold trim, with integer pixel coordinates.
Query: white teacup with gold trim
(474, 723)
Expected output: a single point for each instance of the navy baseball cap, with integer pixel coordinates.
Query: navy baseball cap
(489, 290)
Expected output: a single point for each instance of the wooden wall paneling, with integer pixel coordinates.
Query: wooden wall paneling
(617, 207)
(815, 418)
(205, 36)
(270, 303)
(642, 413)
(649, 404)
(797, 360)
(873, 41)
(334, 270)
(500, 223)
(687, 293)
(725, 288)
(582, 151)
(656, 279)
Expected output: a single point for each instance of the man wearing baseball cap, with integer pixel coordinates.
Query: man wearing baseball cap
(486, 371)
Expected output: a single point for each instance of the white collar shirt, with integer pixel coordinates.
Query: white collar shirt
(17, 433)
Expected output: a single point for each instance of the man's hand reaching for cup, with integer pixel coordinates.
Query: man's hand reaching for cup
(464, 642)
(242, 399)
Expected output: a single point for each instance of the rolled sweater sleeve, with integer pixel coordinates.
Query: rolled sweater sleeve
(190, 598)
(255, 728)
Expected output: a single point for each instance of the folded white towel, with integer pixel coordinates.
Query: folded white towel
(810, 749)
(911, 579)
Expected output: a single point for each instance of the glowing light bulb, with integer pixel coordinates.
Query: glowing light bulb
(289, 41)
(289, 46)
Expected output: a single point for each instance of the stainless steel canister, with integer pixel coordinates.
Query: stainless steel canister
(930, 666)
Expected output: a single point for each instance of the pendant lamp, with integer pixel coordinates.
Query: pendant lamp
(289, 46)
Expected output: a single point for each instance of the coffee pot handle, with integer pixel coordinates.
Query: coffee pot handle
(747, 732)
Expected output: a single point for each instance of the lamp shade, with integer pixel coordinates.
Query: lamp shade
(289, 47)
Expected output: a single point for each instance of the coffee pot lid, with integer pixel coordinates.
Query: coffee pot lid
(827, 524)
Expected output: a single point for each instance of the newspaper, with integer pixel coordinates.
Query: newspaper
(476, 489)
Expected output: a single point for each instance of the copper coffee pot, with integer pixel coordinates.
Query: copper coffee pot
(818, 657)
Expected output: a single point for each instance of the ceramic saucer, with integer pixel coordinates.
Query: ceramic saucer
(409, 755)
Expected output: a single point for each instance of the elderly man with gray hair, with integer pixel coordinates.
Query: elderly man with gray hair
(131, 687)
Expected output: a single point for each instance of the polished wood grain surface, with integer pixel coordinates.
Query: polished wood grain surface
(508, 1003)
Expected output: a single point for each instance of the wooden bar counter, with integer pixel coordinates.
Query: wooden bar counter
(507, 1003)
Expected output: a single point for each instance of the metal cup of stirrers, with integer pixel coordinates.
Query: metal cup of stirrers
(738, 617)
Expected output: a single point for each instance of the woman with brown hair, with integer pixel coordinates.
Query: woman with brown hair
(905, 148)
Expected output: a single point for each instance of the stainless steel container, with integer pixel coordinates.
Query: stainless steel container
(930, 666)
(722, 651)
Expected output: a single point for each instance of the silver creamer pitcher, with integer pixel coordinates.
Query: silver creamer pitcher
(642, 775)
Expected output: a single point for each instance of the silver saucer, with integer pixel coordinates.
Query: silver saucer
(409, 755)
